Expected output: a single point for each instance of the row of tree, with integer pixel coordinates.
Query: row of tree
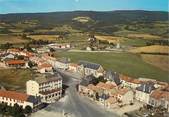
(40, 42)
(6, 46)
(158, 42)
(15, 111)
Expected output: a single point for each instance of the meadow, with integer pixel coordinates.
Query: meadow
(15, 79)
(125, 63)
(160, 61)
(11, 39)
(151, 49)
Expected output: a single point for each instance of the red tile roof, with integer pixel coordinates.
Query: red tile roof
(157, 94)
(45, 65)
(135, 81)
(129, 79)
(105, 85)
(92, 87)
(122, 91)
(15, 62)
(73, 65)
(14, 95)
(111, 100)
(14, 50)
(29, 54)
(125, 78)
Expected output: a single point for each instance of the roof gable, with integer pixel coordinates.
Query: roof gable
(146, 87)
(90, 65)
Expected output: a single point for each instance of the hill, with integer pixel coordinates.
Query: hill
(99, 22)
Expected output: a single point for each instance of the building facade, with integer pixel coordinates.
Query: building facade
(48, 88)
(88, 68)
(159, 99)
(11, 98)
(143, 92)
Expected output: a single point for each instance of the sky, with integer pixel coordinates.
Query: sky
(31, 6)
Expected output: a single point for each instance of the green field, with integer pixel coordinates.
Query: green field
(129, 64)
(15, 79)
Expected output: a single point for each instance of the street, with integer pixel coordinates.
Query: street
(73, 104)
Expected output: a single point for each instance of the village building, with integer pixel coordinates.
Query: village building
(26, 54)
(49, 88)
(37, 60)
(17, 63)
(144, 91)
(45, 67)
(104, 92)
(160, 98)
(92, 90)
(62, 63)
(22, 99)
(48, 57)
(122, 95)
(125, 96)
(110, 102)
(84, 83)
(43, 50)
(60, 46)
(14, 51)
(130, 82)
(73, 67)
(8, 56)
(88, 68)
(113, 77)
(106, 87)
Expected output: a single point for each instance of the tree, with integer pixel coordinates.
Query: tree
(3, 108)
(16, 109)
(6, 46)
(30, 64)
(97, 96)
(19, 115)
(52, 50)
(27, 110)
(20, 57)
(28, 48)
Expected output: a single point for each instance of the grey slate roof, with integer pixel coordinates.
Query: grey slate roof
(43, 78)
(90, 65)
(146, 87)
(34, 99)
(87, 80)
(113, 76)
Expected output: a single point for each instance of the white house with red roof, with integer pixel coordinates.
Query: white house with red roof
(17, 63)
(45, 67)
(22, 99)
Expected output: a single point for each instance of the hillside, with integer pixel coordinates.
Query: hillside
(155, 49)
(99, 22)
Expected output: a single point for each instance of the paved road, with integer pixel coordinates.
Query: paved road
(80, 106)
(73, 104)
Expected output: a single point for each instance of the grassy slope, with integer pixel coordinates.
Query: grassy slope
(14, 78)
(160, 61)
(151, 49)
(11, 39)
(125, 63)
